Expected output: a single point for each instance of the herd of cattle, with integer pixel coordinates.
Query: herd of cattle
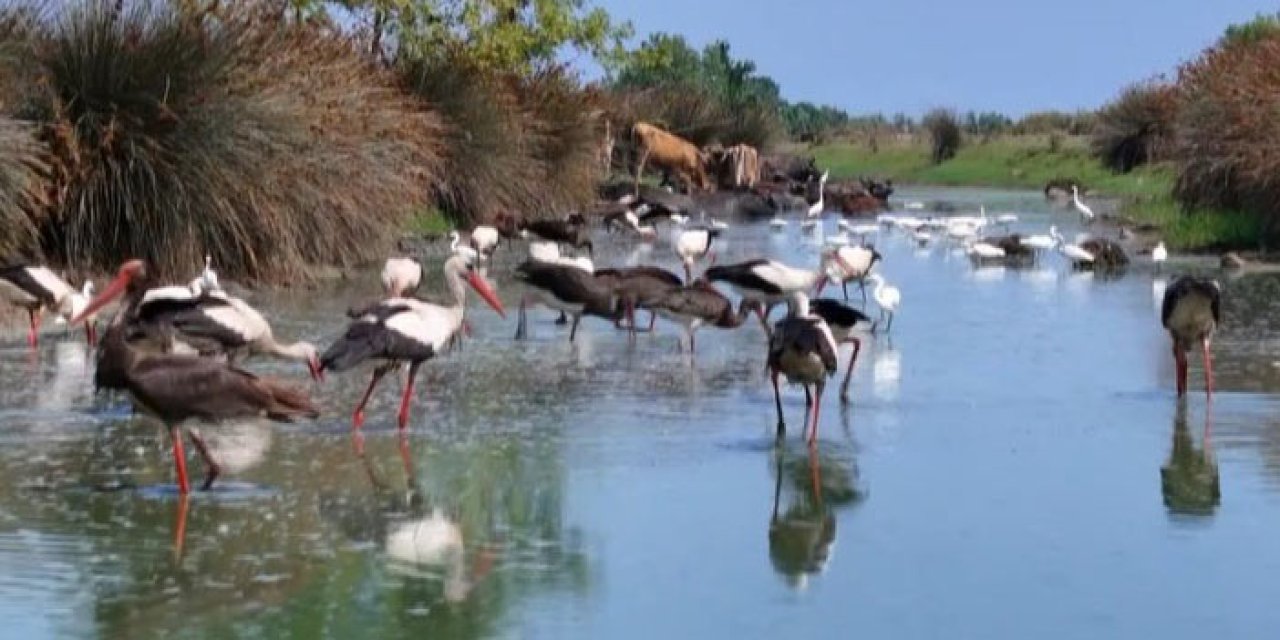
(779, 182)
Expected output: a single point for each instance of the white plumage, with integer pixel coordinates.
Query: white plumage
(1086, 213)
(985, 251)
(484, 239)
(816, 208)
(544, 251)
(887, 297)
(399, 276)
(1159, 254)
(693, 245)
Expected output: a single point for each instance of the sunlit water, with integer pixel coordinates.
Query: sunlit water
(1013, 464)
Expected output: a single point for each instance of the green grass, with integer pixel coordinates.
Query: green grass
(1199, 230)
(1028, 162)
(429, 222)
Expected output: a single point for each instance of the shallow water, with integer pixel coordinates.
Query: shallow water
(1013, 464)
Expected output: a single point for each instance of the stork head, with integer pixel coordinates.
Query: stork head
(465, 266)
(130, 272)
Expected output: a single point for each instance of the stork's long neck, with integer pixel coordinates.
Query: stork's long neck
(731, 320)
(300, 351)
(457, 290)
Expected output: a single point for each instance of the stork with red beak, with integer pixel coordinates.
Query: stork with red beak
(37, 289)
(400, 330)
(176, 388)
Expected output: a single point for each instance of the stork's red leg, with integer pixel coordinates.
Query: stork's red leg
(212, 470)
(1208, 368)
(179, 460)
(357, 419)
(180, 526)
(91, 333)
(777, 400)
(408, 396)
(817, 411)
(32, 314)
(844, 388)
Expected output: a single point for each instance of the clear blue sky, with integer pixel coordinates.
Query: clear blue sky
(1012, 56)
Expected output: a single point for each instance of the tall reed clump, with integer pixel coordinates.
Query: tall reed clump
(944, 134)
(527, 145)
(568, 126)
(175, 131)
(489, 150)
(22, 187)
(1136, 128)
(1227, 146)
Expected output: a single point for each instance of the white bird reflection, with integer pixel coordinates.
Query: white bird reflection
(433, 542)
(886, 373)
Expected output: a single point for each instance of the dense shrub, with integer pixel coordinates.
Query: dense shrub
(1047, 122)
(944, 134)
(173, 132)
(1136, 128)
(1227, 145)
(22, 186)
(567, 121)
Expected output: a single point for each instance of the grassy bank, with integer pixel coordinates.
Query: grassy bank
(1028, 162)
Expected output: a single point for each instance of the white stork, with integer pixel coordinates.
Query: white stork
(37, 289)
(484, 239)
(214, 323)
(401, 276)
(848, 264)
(400, 330)
(765, 281)
(693, 245)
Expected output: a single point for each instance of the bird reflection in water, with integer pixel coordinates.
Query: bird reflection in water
(802, 527)
(1189, 480)
(421, 540)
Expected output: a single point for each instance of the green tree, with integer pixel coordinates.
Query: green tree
(506, 35)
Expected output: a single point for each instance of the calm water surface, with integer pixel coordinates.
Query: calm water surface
(1013, 464)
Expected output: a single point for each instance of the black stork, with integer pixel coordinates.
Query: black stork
(803, 349)
(1191, 311)
(700, 304)
(572, 231)
(399, 330)
(637, 288)
(843, 321)
(568, 289)
(177, 388)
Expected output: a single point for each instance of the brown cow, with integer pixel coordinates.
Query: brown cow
(737, 167)
(670, 153)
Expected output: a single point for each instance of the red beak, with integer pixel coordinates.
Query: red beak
(112, 292)
(482, 287)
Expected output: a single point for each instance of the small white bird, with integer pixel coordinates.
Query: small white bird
(401, 276)
(1159, 254)
(887, 297)
(1072, 252)
(1086, 214)
(985, 251)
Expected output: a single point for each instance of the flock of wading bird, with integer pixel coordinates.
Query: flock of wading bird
(173, 348)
